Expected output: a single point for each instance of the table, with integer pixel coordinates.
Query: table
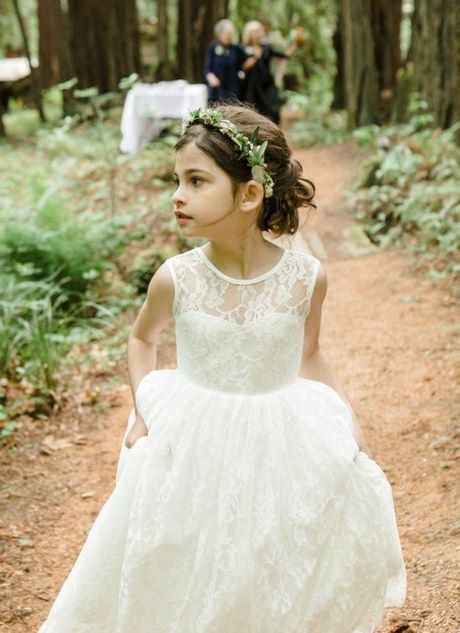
(147, 104)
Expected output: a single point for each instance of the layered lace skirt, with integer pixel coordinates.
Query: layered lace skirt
(238, 514)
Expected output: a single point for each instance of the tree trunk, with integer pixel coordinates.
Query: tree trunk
(195, 31)
(360, 70)
(126, 42)
(371, 58)
(104, 41)
(386, 25)
(185, 44)
(163, 69)
(54, 53)
(33, 73)
(338, 101)
(435, 57)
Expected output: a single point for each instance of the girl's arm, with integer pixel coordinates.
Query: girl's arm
(142, 343)
(316, 364)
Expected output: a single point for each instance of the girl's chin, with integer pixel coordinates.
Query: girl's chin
(191, 231)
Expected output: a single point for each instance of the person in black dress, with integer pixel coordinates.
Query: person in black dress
(259, 87)
(223, 62)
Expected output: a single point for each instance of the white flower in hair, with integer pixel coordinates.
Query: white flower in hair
(248, 148)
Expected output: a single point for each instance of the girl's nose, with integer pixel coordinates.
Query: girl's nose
(177, 196)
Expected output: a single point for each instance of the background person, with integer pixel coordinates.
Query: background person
(223, 62)
(260, 89)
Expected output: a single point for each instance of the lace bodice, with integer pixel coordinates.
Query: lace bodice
(241, 335)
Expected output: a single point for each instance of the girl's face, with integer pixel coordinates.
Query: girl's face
(204, 202)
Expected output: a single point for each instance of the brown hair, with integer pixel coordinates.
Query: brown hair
(290, 192)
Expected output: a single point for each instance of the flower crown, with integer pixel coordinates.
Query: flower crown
(253, 153)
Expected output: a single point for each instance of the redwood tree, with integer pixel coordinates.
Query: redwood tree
(163, 69)
(55, 64)
(371, 57)
(434, 57)
(195, 30)
(104, 41)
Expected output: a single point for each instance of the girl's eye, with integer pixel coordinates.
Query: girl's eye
(195, 180)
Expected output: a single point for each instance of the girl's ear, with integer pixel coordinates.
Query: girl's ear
(252, 195)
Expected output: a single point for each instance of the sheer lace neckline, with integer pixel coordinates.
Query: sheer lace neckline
(238, 280)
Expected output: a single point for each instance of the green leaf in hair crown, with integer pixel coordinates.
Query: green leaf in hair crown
(247, 146)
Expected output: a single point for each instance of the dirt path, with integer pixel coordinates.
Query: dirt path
(392, 336)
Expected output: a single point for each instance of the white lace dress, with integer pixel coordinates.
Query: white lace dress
(248, 507)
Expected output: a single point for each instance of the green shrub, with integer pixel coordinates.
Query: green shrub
(53, 274)
(37, 329)
(315, 129)
(409, 188)
(50, 244)
(30, 329)
(61, 270)
(147, 263)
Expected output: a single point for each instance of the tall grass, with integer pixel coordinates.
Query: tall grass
(53, 273)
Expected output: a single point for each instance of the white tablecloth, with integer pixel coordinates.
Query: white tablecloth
(14, 68)
(147, 104)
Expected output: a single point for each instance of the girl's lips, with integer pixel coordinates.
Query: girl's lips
(182, 216)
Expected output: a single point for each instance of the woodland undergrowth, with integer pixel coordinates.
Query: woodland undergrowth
(83, 228)
(408, 190)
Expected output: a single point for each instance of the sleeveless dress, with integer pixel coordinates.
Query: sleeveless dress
(248, 507)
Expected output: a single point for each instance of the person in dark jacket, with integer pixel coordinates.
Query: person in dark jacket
(259, 88)
(222, 68)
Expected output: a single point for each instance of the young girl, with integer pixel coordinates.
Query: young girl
(246, 500)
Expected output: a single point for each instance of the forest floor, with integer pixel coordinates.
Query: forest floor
(392, 335)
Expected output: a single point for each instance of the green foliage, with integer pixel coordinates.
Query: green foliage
(10, 34)
(311, 67)
(36, 331)
(53, 267)
(408, 189)
(147, 263)
(30, 330)
(66, 267)
(317, 128)
(50, 243)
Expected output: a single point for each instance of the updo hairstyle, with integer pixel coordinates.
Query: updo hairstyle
(291, 191)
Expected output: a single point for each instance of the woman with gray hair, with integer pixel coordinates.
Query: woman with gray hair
(223, 62)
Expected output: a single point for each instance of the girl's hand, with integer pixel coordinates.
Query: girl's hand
(139, 429)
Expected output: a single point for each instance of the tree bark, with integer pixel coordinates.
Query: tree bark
(195, 31)
(386, 24)
(104, 41)
(371, 58)
(360, 71)
(185, 45)
(162, 70)
(434, 57)
(55, 64)
(338, 101)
